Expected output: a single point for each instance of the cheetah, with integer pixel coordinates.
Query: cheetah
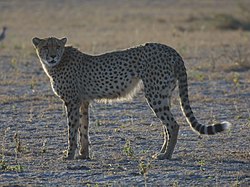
(79, 78)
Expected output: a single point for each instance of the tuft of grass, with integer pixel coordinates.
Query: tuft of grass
(33, 83)
(98, 123)
(2, 46)
(18, 47)
(236, 183)
(197, 76)
(18, 147)
(5, 167)
(236, 79)
(201, 164)
(44, 147)
(175, 184)
(242, 57)
(3, 143)
(13, 63)
(144, 167)
(127, 149)
(239, 56)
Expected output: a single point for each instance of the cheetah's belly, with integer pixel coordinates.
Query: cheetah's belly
(112, 90)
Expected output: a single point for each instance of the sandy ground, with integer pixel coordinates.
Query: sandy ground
(33, 131)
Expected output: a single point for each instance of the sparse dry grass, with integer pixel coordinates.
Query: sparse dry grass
(218, 67)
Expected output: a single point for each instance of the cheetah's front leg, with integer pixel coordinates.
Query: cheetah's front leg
(72, 110)
(83, 131)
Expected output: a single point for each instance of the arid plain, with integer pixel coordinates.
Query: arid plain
(212, 36)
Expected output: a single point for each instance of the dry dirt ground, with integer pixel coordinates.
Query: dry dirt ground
(212, 36)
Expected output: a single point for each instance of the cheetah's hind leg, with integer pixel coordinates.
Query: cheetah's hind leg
(161, 107)
(165, 138)
(170, 134)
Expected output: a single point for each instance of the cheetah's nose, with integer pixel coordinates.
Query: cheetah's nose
(53, 56)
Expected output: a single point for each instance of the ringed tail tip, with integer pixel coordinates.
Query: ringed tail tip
(226, 125)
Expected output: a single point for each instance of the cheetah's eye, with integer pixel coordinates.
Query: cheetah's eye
(45, 47)
(58, 47)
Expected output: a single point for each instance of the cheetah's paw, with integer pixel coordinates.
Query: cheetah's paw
(161, 156)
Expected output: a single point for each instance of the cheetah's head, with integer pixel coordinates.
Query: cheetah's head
(49, 50)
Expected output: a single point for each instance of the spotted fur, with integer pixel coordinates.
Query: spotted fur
(78, 79)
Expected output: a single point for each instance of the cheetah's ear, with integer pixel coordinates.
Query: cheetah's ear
(36, 41)
(64, 40)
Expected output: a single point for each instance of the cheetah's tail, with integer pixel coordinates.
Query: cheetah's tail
(187, 111)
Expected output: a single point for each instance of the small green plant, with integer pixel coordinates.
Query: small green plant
(239, 56)
(3, 144)
(33, 83)
(248, 122)
(18, 148)
(13, 63)
(98, 123)
(144, 167)
(127, 149)
(31, 113)
(199, 77)
(175, 184)
(236, 79)
(18, 47)
(196, 75)
(2, 46)
(237, 182)
(5, 167)
(201, 164)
